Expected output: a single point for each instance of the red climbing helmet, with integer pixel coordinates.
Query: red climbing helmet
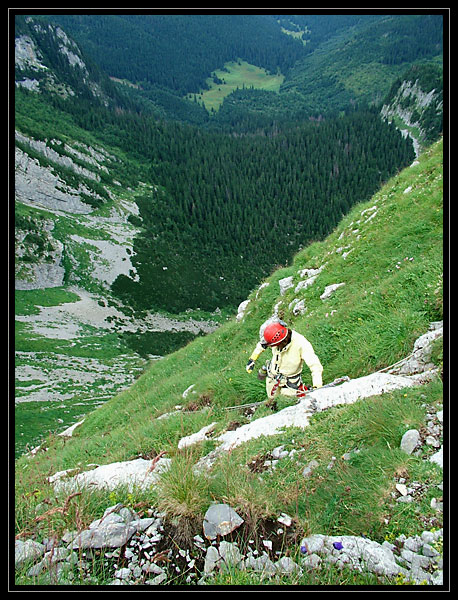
(275, 333)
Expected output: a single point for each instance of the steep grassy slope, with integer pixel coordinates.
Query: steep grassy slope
(389, 254)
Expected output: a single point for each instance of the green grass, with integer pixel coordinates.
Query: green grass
(388, 301)
(236, 75)
(26, 302)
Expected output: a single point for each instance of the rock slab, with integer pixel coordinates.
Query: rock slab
(220, 519)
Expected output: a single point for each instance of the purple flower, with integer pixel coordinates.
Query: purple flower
(304, 549)
(338, 545)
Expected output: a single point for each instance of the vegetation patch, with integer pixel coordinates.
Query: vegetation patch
(235, 75)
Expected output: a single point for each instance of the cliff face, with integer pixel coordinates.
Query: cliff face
(43, 183)
(417, 101)
(46, 59)
(38, 258)
(53, 178)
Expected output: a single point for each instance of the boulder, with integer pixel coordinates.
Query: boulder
(106, 535)
(330, 289)
(199, 436)
(27, 551)
(241, 310)
(220, 519)
(438, 457)
(410, 440)
(285, 284)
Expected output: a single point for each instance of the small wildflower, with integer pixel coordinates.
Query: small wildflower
(338, 545)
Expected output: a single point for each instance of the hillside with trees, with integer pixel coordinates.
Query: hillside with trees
(178, 51)
(331, 62)
(229, 206)
(228, 209)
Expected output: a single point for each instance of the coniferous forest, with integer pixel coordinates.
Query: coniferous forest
(229, 208)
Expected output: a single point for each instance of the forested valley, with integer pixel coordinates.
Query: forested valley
(224, 210)
(228, 209)
(232, 196)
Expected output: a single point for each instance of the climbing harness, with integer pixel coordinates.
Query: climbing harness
(294, 383)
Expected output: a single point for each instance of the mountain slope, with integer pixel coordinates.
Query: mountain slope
(84, 169)
(388, 254)
(359, 65)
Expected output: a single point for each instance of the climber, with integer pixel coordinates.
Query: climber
(283, 372)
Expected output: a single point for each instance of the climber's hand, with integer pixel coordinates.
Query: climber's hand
(249, 366)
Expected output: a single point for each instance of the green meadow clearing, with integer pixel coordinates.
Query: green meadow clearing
(235, 75)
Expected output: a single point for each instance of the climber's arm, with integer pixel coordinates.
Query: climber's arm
(254, 356)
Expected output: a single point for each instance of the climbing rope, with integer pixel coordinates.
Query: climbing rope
(395, 364)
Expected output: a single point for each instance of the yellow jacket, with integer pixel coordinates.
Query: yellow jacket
(289, 361)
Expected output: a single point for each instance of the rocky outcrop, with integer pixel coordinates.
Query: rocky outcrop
(299, 414)
(420, 359)
(411, 560)
(136, 550)
(138, 473)
(40, 186)
(418, 104)
(35, 267)
(36, 72)
(410, 102)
